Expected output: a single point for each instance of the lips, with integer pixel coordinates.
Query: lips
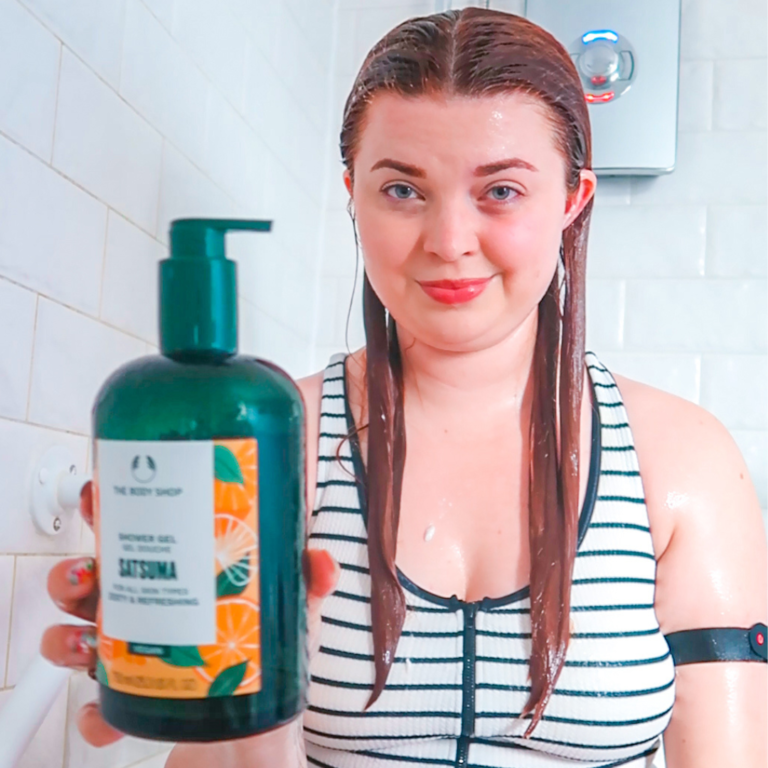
(455, 291)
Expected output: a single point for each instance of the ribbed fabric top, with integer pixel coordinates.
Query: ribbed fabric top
(460, 676)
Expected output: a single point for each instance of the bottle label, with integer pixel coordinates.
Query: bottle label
(177, 547)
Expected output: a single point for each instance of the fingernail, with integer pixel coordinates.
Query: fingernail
(81, 571)
(84, 641)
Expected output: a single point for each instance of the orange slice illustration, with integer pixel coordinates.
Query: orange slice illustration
(238, 498)
(237, 635)
(235, 548)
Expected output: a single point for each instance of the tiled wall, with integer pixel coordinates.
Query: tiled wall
(117, 116)
(124, 114)
(677, 264)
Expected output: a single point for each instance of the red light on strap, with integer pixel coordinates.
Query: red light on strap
(760, 638)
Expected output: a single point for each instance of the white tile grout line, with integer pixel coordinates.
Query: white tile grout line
(29, 423)
(122, 51)
(83, 313)
(10, 618)
(163, 157)
(32, 358)
(56, 105)
(157, 18)
(104, 264)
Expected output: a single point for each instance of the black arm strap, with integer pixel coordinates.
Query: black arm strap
(721, 644)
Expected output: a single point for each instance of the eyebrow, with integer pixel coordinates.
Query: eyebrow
(482, 170)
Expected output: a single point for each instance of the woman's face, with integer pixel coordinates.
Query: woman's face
(460, 206)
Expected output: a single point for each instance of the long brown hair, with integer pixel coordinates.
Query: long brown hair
(473, 52)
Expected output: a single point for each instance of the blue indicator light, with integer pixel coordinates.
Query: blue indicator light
(603, 34)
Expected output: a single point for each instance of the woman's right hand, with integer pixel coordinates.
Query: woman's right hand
(73, 586)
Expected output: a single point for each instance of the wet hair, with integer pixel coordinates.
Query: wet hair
(471, 53)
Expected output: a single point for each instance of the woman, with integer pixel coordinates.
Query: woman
(503, 594)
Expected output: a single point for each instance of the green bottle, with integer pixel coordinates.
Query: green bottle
(199, 503)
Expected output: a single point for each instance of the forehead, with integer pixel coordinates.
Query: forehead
(457, 130)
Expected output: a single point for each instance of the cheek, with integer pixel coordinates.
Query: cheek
(386, 244)
(526, 253)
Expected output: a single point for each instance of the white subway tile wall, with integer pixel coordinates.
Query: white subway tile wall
(93, 29)
(130, 281)
(119, 116)
(28, 99)
(74, 354)
(18, 307)
(159, 80)
(104, 146)
(53, 231)
(125, 114)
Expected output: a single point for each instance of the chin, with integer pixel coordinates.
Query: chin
(456, 332)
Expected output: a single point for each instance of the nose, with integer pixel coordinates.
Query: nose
(450, 230)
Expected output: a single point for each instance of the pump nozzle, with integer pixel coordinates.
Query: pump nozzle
(198, 287)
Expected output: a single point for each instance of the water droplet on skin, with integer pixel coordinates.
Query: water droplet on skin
(675, 499)
(429, 533)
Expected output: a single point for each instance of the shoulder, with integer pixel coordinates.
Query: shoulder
(685, 453)
(704, 512)
(311, 388)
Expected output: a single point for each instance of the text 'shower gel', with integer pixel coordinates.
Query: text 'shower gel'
(199, 517)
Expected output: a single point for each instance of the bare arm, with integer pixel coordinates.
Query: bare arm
(711, 552)
(311, 389)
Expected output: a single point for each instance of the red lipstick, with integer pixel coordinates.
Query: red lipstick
(455, 291)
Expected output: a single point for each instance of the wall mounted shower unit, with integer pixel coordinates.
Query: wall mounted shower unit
(627, 53)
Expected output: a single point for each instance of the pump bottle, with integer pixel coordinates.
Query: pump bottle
(199, 503)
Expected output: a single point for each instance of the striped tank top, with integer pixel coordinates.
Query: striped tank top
(460, 677)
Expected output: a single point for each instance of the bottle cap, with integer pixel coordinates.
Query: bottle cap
(198, 287)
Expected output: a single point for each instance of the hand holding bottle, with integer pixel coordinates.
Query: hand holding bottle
(73, 586)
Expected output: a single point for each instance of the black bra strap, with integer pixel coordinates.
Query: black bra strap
(721, 644)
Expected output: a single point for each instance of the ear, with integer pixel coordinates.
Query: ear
(577, 202)
(347, 181)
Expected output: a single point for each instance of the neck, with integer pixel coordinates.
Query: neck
(482, 382)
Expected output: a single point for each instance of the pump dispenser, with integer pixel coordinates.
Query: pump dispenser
(200, 517)
(198, 287)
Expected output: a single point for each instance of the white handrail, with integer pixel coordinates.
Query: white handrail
(27, 707)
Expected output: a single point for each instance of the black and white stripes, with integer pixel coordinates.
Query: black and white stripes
(460, 676)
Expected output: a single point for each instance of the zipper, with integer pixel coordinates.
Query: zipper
(462, 752)
(468, 686)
